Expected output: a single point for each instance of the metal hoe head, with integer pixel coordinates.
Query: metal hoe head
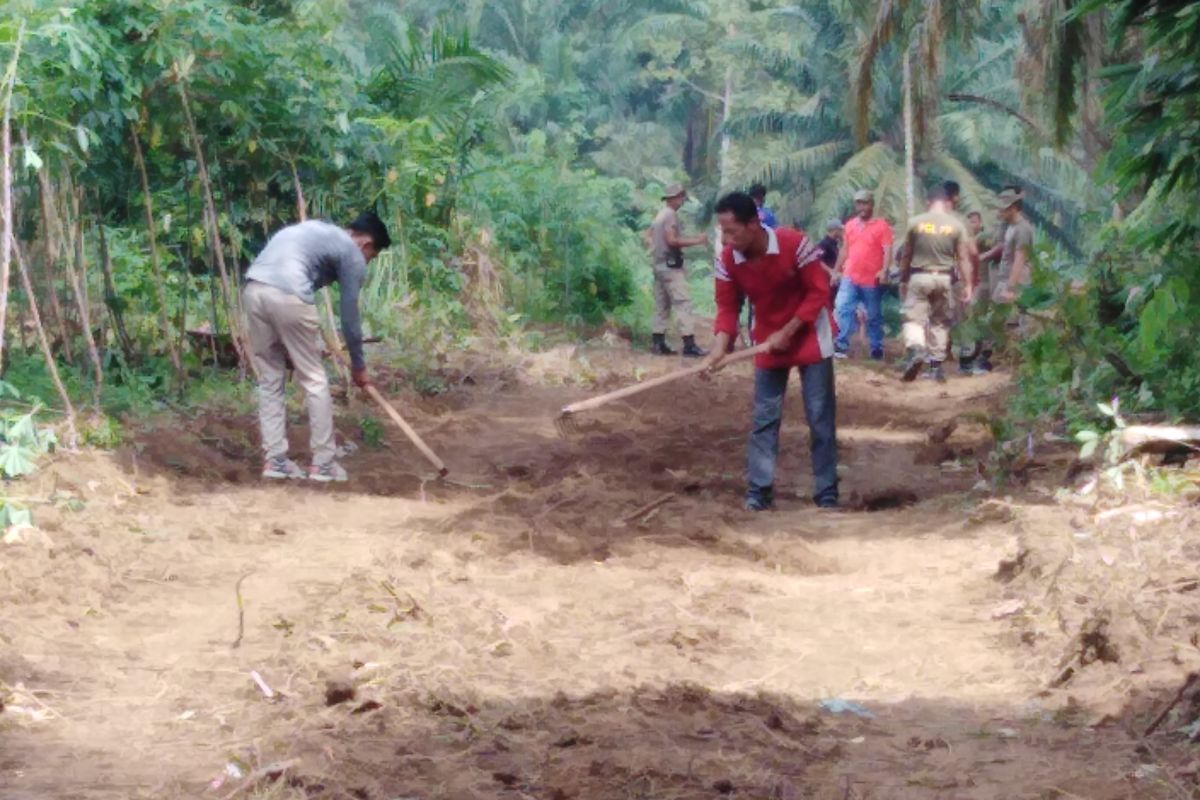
(566, 424)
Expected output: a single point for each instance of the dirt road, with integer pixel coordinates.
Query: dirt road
(514, 634)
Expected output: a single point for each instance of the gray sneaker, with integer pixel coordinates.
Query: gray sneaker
(282, 468)
(329, 472)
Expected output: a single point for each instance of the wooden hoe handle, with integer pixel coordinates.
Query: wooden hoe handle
(401, 423)
(408, 430)
(638, 388)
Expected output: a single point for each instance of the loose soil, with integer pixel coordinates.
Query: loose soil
(177, 628)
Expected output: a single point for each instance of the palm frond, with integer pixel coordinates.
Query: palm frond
(803, 162)
(866, 169)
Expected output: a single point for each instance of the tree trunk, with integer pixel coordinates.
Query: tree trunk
(910, 173)
(6, 200)
(51, 367)
(50, 250)
(111, 299)
(214, 231)
(74, 263)
(160, 286)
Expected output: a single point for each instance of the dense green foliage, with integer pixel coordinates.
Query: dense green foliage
(517, 149)
(1131, 312)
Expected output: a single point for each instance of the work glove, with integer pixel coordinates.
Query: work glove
(360, 377)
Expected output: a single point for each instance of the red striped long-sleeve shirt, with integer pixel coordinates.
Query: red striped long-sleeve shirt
(788, 281)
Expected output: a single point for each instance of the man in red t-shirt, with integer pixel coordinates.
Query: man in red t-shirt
(863, 264)
(781, 273)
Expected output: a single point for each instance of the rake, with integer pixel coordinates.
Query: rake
(566, 424)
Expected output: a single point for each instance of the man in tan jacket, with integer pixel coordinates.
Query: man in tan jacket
(671, 291)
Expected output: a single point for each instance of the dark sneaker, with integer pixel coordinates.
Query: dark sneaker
(757, 504)
(877, 355)
(912, 366)
(329, 472)
(840, 354)
(282, 468)
(966, 367)
(935, 372)
(983, 366)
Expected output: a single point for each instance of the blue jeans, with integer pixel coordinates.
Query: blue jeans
(820, 408)
(848, 297)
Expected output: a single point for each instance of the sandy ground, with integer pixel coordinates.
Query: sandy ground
(515, 634)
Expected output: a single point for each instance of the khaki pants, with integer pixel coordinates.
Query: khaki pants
(671, 293)
(929, 302)
(283, 326)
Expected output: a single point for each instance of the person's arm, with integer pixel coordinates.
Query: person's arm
(674, 240)
(1020, 263)
(351, 272)
(966, 268)
(815, 299)
(840, 265)
(992, 254)
(906, 257)
(887, 256)
(1020, 258)
(729, 299)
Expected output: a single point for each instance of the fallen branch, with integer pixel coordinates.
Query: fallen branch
(646, 509)
(1187, 684)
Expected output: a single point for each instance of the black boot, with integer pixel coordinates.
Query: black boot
(690, 349)
(659, 348)
(984, 364)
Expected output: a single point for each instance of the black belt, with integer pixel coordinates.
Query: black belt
(916, 270)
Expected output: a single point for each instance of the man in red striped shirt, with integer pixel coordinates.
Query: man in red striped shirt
(781, 273)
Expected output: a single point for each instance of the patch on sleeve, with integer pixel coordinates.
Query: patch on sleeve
(719, 269)
(807, 252)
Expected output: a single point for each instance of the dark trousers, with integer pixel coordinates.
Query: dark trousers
(820, 409)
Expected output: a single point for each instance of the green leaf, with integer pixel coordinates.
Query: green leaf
(21, 517)
(16, 461)
(1087, 436)
(1106, 409)
(1089, 447)
(21, 430)
(81, 136)
(32, 159)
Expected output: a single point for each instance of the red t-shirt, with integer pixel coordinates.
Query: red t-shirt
(866, 243)
(787, 281)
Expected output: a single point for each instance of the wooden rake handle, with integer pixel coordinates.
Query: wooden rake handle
(638, 388)
(390, 410)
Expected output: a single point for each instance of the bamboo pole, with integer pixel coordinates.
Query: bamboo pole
(160, 286)
(76, 274)
(50, 250)
(51, 366)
